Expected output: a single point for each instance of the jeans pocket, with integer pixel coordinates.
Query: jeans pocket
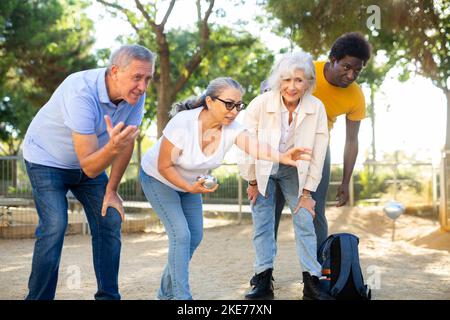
(42, 178)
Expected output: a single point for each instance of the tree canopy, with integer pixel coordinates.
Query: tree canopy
(41, 42)
(189, 58)
(412, 34)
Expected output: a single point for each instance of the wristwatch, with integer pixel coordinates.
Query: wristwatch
(253, 183)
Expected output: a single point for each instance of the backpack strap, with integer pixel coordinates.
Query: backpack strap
(324, 251)
(363, 290)
(346, 264)
(324, 258)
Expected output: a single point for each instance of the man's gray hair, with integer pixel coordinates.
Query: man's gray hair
(123, 56)
(287, 65)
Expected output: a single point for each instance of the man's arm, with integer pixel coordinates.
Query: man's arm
(112, 198)
(94, 161)
(117, 152)
(350, 154)
(119, 165)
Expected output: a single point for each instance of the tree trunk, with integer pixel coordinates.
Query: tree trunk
(165, 100)
(11, 149)
(164, 87)
(447, 136)
(14, 173)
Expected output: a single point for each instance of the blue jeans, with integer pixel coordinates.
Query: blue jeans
(50, 186)
(263, 214)
(320, 196)
(182, 216)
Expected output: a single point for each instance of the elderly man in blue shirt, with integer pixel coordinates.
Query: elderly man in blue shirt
(90, 122)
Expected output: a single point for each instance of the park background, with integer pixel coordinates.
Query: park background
(406, 84)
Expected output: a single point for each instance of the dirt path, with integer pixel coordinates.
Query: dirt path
(415, 266)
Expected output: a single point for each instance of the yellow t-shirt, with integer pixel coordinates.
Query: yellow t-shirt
(349, 101)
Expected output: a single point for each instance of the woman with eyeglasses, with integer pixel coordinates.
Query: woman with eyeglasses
(286, 116)
(194, 142)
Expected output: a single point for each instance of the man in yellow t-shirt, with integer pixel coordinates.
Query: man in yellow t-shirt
(341, 95)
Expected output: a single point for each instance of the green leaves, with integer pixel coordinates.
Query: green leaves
(415, 31)
(189, 58)
(41, 42)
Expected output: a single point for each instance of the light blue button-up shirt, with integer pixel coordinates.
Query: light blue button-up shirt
(79, 104)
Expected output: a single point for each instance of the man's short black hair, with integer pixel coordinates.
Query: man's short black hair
(351, 44)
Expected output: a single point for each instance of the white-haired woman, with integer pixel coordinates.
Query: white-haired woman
(195, 141)
(286, 116)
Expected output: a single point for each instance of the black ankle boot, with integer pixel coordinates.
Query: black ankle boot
(263, 287)
(254, 280)
(312, 290)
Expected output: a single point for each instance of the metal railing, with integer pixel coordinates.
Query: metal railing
(14, 181)
(373, 182)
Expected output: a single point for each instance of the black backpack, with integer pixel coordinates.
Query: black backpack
(341, 272)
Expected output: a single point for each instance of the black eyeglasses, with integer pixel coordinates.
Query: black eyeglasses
(230, 105)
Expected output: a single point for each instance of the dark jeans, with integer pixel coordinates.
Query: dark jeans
(320, 196)
(50, 186)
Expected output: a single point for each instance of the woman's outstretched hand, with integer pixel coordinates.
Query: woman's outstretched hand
(292, 155)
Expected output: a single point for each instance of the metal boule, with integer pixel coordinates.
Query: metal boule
(210, 181)
(394, 209)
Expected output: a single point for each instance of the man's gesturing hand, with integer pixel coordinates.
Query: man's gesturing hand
(119, 137)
